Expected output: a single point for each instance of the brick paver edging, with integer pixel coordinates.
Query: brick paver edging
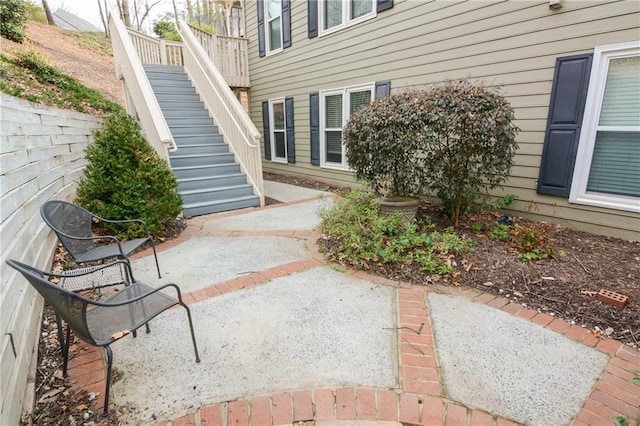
(419, 398)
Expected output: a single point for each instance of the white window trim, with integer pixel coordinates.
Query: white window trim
(345, 117)
(346, 22)
(272, 129)
(586, 145)
(267, 33)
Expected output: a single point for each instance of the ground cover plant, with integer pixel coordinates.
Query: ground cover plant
(356, 234)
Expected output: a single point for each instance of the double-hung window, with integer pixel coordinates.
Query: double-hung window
(273, 31)
(337, 14)
(607, 171)
(279, 135)
(278, 130)
(335, 108)
(274, 26)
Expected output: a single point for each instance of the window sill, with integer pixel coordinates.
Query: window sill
(631, 204)
(334, 166)
(273, 52)
(336, 29)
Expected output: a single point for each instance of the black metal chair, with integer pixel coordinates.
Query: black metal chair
(101, 323)
(72, 224)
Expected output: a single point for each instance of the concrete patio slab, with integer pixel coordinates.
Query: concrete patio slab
(509, 366)
(289, 193)
(295, 217)
(316, 328)
(202, 261)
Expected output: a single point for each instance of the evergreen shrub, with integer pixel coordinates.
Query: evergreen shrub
(125, 179)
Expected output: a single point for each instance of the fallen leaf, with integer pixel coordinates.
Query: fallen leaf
(119, 334)
(50, 396)
(58, 375)
(589, 292)
(82, 407)
(518, 294)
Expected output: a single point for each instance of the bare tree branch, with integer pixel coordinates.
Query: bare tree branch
(146, 12)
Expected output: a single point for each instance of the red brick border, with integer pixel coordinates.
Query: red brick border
(418, 400)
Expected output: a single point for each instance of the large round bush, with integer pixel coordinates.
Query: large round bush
(470, 143)
(381, 144)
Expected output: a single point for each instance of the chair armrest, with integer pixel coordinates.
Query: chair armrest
(143, 296)
(125, 221)
(97, 238)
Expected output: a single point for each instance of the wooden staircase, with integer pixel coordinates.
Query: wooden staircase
(209, 178)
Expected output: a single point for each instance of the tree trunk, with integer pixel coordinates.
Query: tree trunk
(47, 11)
(103, 17)
(137, 14)
(189, 12)
(175, 14)
(124, 11)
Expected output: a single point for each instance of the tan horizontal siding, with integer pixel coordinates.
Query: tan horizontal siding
(511, 44)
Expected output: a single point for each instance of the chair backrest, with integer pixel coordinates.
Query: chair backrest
(70, 306)
(68, 221)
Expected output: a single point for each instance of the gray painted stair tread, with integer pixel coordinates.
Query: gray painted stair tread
(209, 179)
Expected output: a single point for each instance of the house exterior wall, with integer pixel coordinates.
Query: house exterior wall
(511, 44)
(41, 157)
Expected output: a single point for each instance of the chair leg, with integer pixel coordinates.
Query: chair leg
(193, 336)
(108, 386)
(155, 255)
(65, 353)
(61, 339)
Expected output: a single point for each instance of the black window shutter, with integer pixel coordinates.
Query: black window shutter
(568, 96)
(314, 120)
(384, 5)
(261, 44)
(286, 23)
(291, 138)
(267, 131)
(383, 88)
(312, 18)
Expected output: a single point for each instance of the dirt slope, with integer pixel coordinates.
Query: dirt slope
(95, 69)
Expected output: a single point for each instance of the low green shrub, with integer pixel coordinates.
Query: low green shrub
(356, 234)
(125, 179)
(13, 19)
